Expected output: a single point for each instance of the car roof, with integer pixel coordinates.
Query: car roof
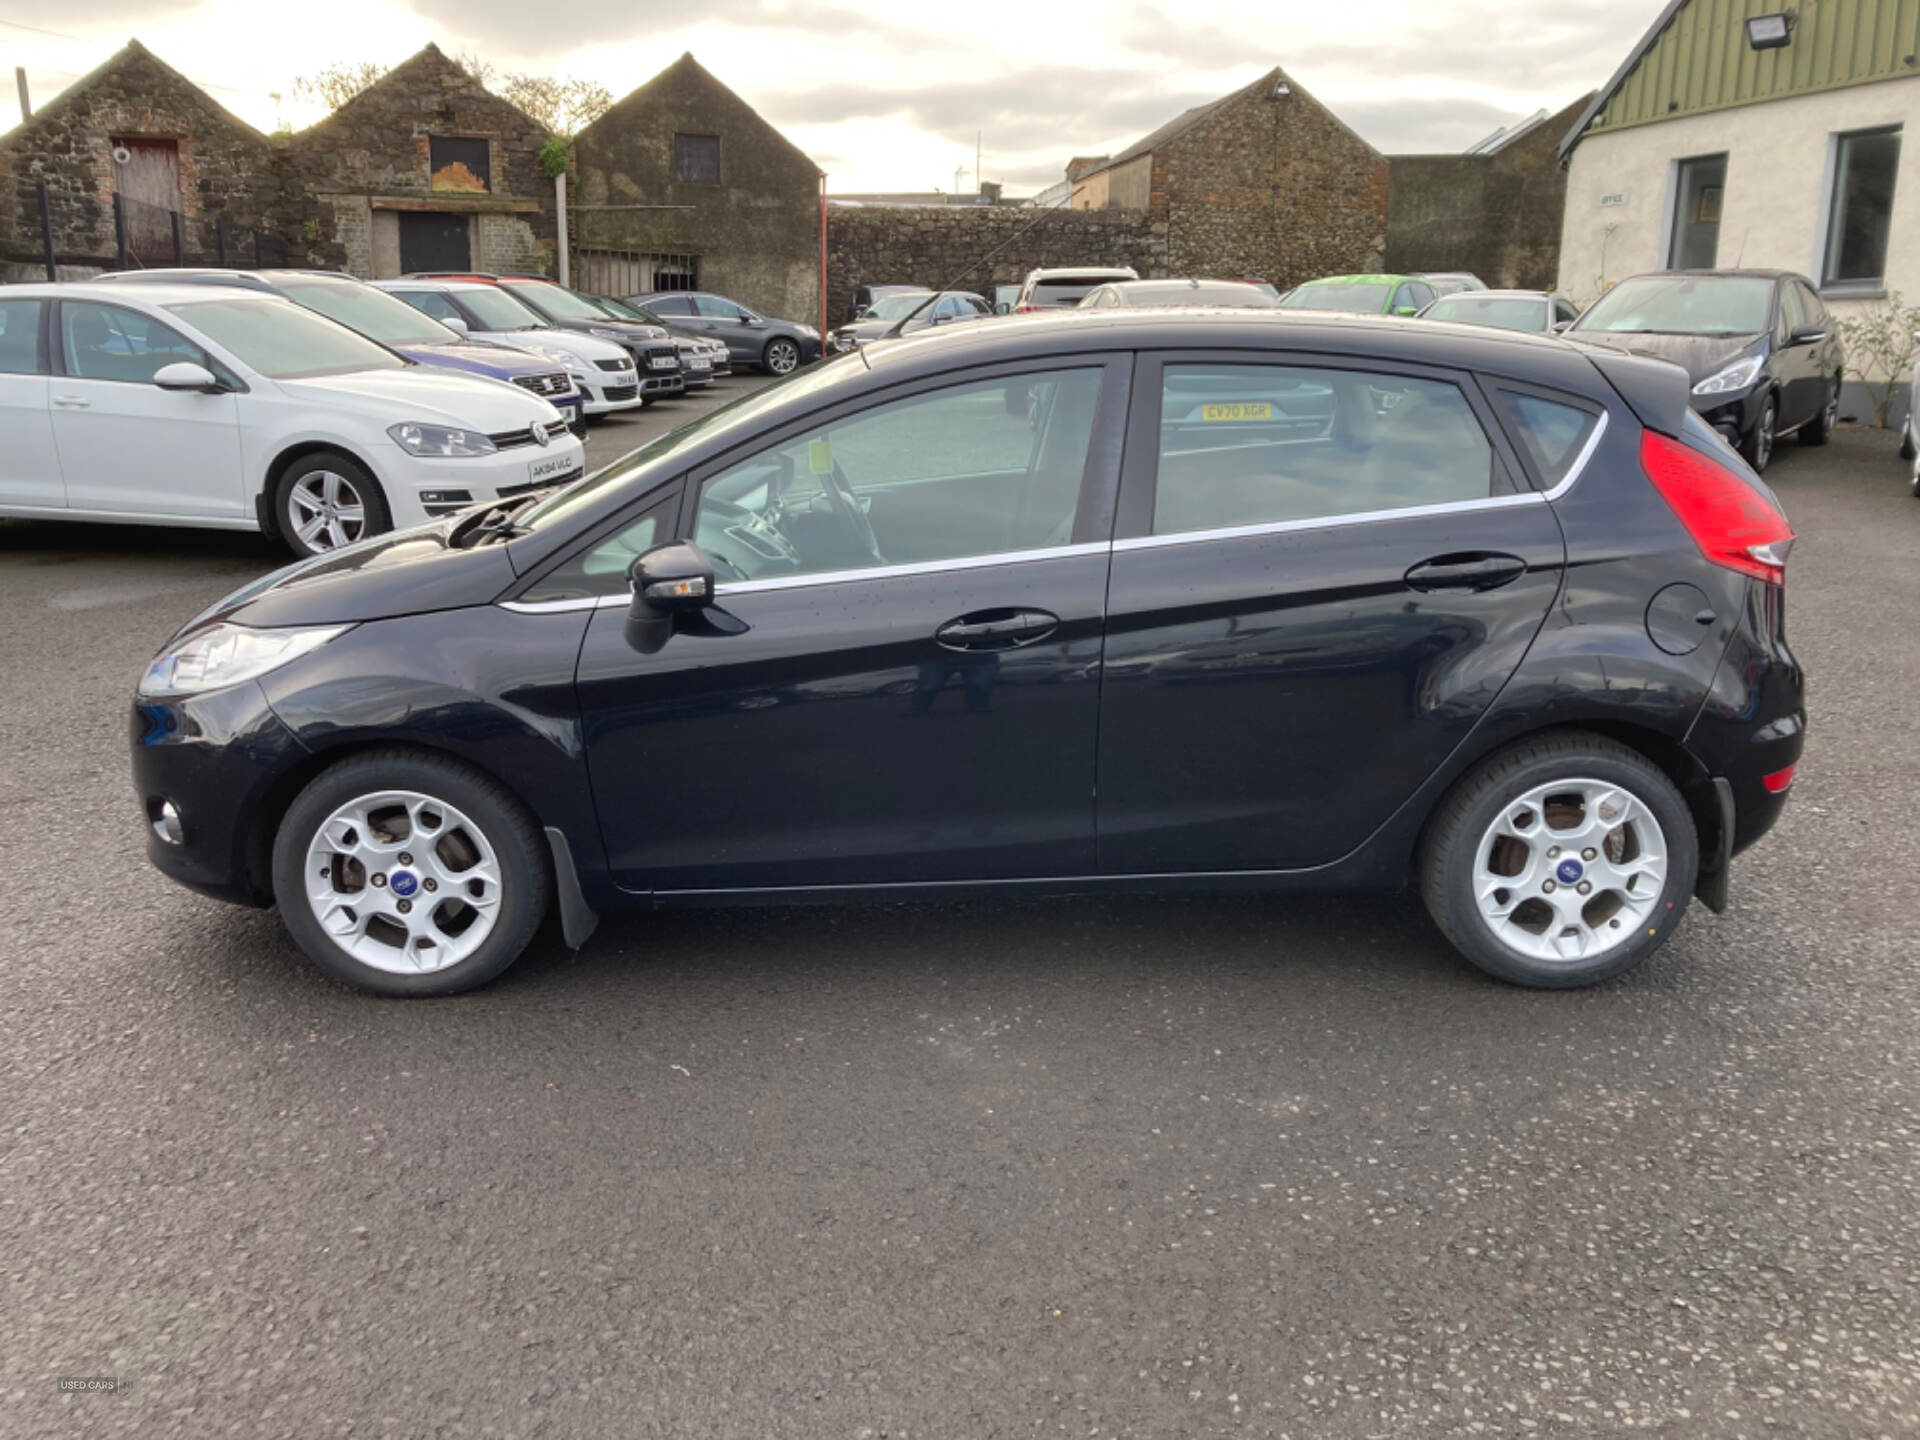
(156, 293)
(459, 286)
(1102, 272)
(1753, 273)
(1499, 294)
(1368, 277)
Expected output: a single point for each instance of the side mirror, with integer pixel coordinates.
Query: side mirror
(457, 325)
(185, 375)
(1003, 308)
(1406, 309)
(940, 320)
(1807, 335)
(1560, 327)
(671, 579)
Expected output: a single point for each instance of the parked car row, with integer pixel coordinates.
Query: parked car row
(316, 408)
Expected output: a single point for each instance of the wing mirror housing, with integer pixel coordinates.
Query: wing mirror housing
(1560, 327)
(669, 581)
(185, 375)
(1406, 309)
(457, 325)
(1807, 335)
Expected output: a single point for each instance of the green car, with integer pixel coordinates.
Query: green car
(1362, 294)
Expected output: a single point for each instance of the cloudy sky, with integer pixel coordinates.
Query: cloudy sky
(890, 97)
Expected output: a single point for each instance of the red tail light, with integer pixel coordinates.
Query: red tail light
(1027, 310)
(1734, 524)
(1779, 780)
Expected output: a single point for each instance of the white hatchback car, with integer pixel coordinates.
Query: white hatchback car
(602, 369)
(181, 405)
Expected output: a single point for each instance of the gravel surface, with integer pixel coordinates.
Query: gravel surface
(1115, 1167)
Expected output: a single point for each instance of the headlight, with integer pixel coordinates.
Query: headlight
(573, 363)
(227, 654)
(606, 334)
(1737, 376)
(441, 441)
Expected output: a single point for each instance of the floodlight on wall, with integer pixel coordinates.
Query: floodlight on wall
(1282, 88)
(121, 154)
(1770, 32)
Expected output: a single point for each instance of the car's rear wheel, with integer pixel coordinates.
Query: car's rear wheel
(326, 500)
(1819, 430)
(1562, 861)
(781, 357)
(403, 873)
(1757, 447)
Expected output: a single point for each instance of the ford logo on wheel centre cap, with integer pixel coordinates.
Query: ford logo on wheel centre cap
(403, 883)
(1568, 871)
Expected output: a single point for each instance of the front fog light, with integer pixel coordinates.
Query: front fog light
(165, 820)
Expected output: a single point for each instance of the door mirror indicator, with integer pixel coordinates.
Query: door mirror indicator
(671, 578)
(185, 375)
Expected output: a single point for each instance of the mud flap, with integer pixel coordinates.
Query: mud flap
(578, 920)
(1716, 869)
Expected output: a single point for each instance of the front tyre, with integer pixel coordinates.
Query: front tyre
(403, 873)
(326, 500)
(1560, 862)
(1757, 447)
(1819, 430)
(781, 357)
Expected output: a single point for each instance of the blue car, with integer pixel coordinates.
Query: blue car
(395, 324)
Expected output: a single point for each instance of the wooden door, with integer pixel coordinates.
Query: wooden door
(149, 184)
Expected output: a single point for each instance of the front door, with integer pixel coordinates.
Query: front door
(1323, 576)
(901, 679)
(148, 182)
(430, 240)
(126, 446)
(29, 465)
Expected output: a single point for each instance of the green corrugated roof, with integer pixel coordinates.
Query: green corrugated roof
(1696, 58)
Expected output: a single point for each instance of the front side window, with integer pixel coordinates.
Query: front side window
(1861, 215)
(282, 341)
(106, 342)
(1699, 186)
(1793, 313)
(430, 302)
(1263, 444)
(696, 159)
(978, 469)
(601, 569)
(20, 337)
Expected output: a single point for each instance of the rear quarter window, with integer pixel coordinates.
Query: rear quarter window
(1551, 431)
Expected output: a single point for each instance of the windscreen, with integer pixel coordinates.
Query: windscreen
(1504, 312)
(563, 304)
(897, 307)
(1209, 294)
(1066, 289)
(374, 313)
(1683, 305)
(283, 341)
(497, 310)
(1359, 298)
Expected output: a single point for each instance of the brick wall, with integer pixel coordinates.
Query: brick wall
(886, 245)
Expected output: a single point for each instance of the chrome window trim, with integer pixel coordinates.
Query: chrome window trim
(825, 577)
(1580, 461)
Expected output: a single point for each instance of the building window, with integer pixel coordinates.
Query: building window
(1699, 186)
(460, 163)
(627, 272)
(1861, 208)
(696, 159)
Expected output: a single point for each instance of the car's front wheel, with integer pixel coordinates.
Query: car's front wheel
(1757, 447)
(326, 500)
(781, 357)
(406, 873)
(1562, 861)
(1819, 430)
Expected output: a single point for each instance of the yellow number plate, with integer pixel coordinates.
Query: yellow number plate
(1244, 410)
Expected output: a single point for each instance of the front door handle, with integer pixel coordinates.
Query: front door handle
(1001, 629)
(1476, 571)
(72, 402)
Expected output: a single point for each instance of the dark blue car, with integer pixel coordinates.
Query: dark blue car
(397, 325)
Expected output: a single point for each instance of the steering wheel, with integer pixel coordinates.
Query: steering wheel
(841, 497)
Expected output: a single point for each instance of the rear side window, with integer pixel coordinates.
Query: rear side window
(671, 305)
(1262, 444)
(20, 337)
(1552, 432)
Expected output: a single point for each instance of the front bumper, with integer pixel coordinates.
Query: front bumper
(1733, 415)
(419, 490)
(220, 760)
(615, 390)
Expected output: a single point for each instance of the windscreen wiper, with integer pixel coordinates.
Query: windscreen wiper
(493, 522)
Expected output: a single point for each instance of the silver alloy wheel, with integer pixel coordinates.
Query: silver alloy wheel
(1570, 870)
(327, 512)
(783, 357)
(403, 882)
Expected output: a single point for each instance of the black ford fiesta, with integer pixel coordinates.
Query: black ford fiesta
(1091, 602)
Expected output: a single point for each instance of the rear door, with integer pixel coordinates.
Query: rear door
(900, 682)
(1324, 571)
(29, 465)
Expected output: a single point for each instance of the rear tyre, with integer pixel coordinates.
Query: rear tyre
(1757, 447)
(1819, 430)
(781, 357)
(326, 500)
(1505, 857)
(1908, 450)
(402, 873)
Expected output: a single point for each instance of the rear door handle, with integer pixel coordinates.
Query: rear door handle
(1477, 571)
(72, 402)
(1002, 629)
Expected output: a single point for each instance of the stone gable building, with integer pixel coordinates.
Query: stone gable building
(1265, 183)
(139, 128)
(683, 186)
(426, 169)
